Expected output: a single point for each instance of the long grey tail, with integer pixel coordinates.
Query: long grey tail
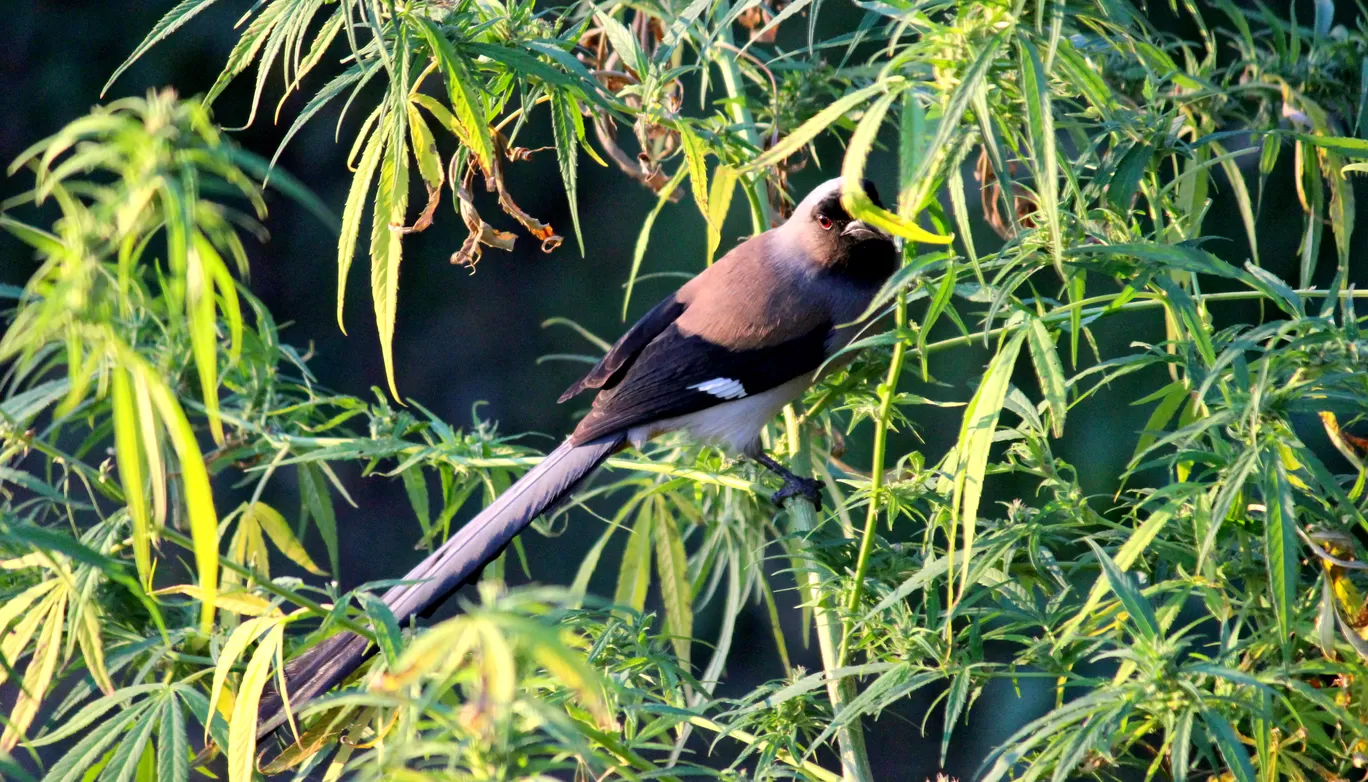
(456, 563)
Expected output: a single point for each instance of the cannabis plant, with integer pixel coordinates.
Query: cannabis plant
(1205, 619)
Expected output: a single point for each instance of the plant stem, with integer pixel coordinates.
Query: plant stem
(762, 216)
(803, 519)
(887, 392)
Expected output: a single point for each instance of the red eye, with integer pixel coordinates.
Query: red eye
(824, 221)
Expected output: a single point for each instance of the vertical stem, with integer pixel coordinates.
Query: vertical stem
(887, 392)
(762, 216)
(803, 518)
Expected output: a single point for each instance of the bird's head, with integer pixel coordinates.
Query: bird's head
(835, 241)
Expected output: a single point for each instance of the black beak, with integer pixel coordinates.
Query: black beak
(861, 231)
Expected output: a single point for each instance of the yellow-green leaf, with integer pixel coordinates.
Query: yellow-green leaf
(128, 455)
(853, 196)
(232, 649)
(38, 675)
(276, 528)
(976, 439)
(242, 727)
(351, 215)
(391, 202)
(719, 202)
(675, 587)
(634, 576)
(1050, 373)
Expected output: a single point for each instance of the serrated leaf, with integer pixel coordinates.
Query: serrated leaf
(238, 641)
(127, 759)
(1035, 89)
(173, 749)
(1280, 548)
(694, 156)
(1234, 753)
(47, 652)
(672, 565)
(88, 751)
(278, 530)
(351, 216)
(168, 24)
(242, 726)
(386, 627)
(386, 249)
(853, 196)
(1050, 373)
(314, 490)
(634, 575)
(719, 203)
(976, 439)
(564, 116)
(128, 455)
(1139, 610)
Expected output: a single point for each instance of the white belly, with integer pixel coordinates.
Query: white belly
(732, 425)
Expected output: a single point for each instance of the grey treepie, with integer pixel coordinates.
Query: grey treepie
(716, 360)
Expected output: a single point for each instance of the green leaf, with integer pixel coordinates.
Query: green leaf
(955, 699)
(1040, 121)
(385, 625)
(386, 249)
(976, 439)
(425, 150)
(694, 156)
(242, 726)
(1242, 198)
(944, 291)
(564, 111)
(719, 203)
(1308, 171)
(128, 453)
(1050, 372)
(471, 126)
(1137, 607)
(1280, 548)
(314, 490)
(415, 486)
(128, 756)
(88, 751)
(173, 750)
(673, 567)
(198, 496)
(853, 196)
(623, 42)
(959, 101)
(351, 217)
(276, 528)
(634, 576)
(1234, 753)
(164, 27)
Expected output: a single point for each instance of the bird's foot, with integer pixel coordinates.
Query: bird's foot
(794, 486)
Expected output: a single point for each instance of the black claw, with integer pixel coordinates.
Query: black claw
(794, 486)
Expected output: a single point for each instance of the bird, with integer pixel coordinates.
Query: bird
(717, 360)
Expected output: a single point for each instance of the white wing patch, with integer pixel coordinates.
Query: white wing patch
(722, 388)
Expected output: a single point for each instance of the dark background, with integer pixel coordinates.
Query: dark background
(466, 338)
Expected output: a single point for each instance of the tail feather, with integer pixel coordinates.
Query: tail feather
(442, 572)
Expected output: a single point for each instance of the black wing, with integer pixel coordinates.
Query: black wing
(678, 374)
(610, 369)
